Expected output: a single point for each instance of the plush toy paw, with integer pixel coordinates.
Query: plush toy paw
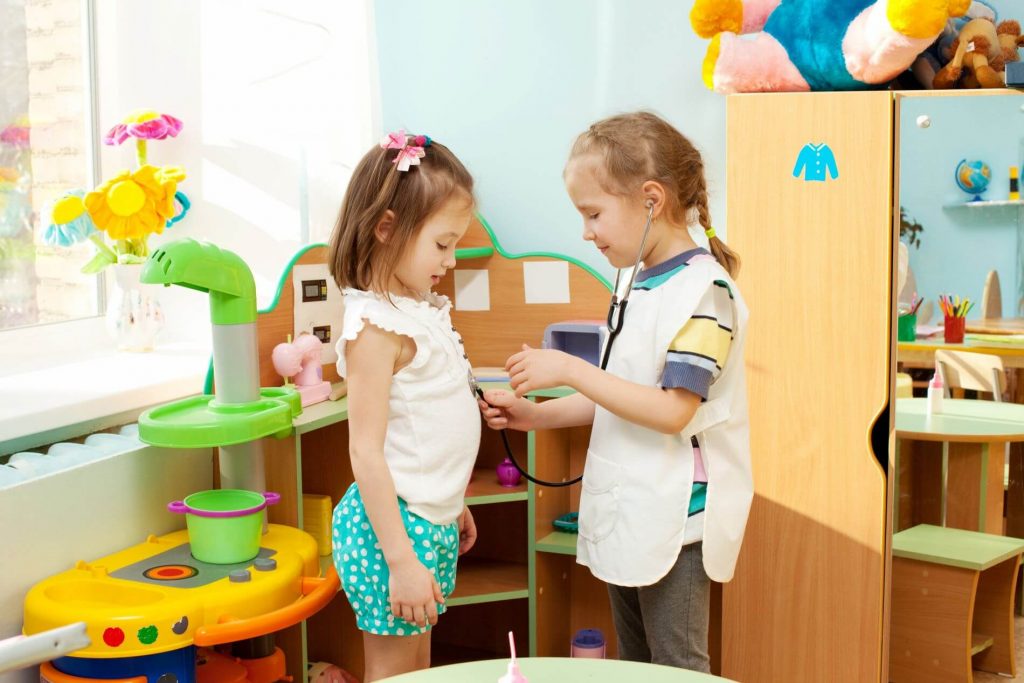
(711, 17)
(920, 18)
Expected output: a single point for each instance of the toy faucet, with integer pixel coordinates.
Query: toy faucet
(300, 360)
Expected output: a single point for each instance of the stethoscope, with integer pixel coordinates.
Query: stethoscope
(616, 317)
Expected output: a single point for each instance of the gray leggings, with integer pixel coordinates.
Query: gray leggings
(667, 622)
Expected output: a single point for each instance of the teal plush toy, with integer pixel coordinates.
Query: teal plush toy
(801, 45)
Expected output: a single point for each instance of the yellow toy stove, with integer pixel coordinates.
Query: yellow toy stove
(155, 597)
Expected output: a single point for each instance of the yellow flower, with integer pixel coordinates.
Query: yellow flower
(132, 205)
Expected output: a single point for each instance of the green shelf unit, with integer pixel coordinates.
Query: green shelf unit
(322, 414)
(560, 542)
(484, 489)
(489, 597)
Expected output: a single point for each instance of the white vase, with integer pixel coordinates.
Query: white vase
(134, 316)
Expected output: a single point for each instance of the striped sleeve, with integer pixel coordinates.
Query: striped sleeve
(697, 353)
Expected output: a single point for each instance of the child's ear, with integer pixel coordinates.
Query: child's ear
(382, 231)
(654, 196)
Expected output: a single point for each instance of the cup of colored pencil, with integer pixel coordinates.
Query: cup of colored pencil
(906, 321)
(955, 311)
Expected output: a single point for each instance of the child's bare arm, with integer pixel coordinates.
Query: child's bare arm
(663, 410)
(504, 410)
(371, 360)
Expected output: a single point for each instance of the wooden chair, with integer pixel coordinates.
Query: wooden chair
(991, 297)
(974, 371)
(904, 385)
(952, 604)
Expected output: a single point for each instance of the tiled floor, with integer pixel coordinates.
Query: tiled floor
(984, 677)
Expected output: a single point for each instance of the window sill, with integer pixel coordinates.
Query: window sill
(42, 406)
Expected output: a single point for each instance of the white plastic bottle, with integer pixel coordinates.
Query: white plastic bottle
(935, 391)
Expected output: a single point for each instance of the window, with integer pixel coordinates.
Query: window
(46, 149)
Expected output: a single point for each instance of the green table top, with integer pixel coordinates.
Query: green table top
(963, 420)
(954, 547)
(560, 669)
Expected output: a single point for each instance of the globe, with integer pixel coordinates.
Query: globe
(973, 177)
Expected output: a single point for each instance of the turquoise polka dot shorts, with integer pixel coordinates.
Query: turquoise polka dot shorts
(364, 573)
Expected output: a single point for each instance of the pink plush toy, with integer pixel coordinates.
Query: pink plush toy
(800, 45)
(322, 672)
(300, 360)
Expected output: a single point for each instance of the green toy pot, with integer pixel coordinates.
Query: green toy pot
(224, 525)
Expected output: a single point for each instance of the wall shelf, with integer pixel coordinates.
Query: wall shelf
(984, 204)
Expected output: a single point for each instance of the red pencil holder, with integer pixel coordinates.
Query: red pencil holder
(954, 330)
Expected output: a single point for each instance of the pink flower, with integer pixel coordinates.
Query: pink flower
(144, 125)
(15, 135)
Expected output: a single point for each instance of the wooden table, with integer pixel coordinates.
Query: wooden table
(949, 467)
(556, 670)
(921, 353)
(996, 326)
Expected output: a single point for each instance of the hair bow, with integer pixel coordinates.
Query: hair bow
(408, 154)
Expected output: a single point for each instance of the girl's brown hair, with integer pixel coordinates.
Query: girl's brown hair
(357, 258)
(641, 146)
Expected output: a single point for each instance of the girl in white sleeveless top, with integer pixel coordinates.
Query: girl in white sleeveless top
(414, 429)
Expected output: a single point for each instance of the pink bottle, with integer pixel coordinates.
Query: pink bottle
(935, 393)
(513, 674)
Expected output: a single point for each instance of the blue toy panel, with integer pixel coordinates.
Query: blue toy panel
(176, 666)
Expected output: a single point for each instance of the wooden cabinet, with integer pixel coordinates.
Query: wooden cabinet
(809, 599)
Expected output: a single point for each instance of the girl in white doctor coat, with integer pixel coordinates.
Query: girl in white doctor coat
(667, 483)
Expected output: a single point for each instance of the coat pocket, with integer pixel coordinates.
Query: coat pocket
(708, 415)
(599, 501)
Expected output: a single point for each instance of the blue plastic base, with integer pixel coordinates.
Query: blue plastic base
(176, 666)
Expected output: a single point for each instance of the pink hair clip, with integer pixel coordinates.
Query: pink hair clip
(408, 154)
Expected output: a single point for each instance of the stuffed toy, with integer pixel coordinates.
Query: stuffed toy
(929, 62)
(801, 45)
(979, 55)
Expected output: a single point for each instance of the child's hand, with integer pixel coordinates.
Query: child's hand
(467, 531)
(503, 410)
(414, 592)
(533, 369)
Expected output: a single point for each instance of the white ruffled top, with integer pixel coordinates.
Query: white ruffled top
(433, 432)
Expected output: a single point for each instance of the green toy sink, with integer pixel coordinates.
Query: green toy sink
(200, 422)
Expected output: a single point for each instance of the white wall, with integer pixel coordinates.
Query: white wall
(508, 85)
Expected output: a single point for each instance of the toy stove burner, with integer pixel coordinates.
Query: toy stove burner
(170, 572)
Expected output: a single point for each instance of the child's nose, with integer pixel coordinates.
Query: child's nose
(449, 261)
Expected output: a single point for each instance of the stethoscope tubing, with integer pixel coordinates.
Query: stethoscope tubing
(614, 327)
